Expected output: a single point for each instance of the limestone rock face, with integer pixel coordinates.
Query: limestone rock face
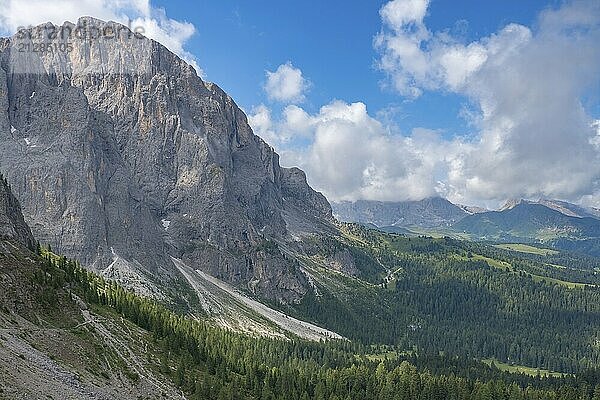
(123, 157)
(431, 212)
(12, 224)
(343, 261)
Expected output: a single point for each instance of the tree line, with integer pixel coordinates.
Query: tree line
(213, 363)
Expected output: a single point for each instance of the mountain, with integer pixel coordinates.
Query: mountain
(556, 223)
(61, 338)
(570, 209)
(68, 333)
(12, 223)
(525, 220)
(123, 158)
(566, 208)
(511, 203)
(427, 213)
(51, 344)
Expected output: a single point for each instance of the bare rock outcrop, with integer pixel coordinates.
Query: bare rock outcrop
(117, 150)
(12, 223)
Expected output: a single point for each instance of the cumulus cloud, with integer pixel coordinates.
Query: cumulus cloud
(352, 155)
(261, 121)
(535, 135)
(156, 25)
(532, 137)
(293, 125)
(286, 84)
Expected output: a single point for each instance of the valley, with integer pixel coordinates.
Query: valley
(192, 356)
(550, 224)
(153, 246)
(390, 309)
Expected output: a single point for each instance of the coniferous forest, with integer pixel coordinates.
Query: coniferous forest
(207, 362)
(470, 299)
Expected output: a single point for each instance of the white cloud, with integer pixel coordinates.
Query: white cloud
(262, 124)
(294, 123)
(402, 14)
(458, 63)
(156, 25)
(415, 58)
(351, 155)
(286, 84)
(532, 136)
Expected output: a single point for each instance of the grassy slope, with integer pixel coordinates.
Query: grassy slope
(536, 278)
(524, 248)
(54, 345)
(521, 369)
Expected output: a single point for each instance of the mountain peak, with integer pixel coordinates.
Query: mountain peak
(91, 48)
(563, 207)
(512, 203)
(146, 162)
(429, 212)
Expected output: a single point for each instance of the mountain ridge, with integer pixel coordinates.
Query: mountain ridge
(528, 220)
(429, 212)
(564, 207)
(556, 223)
(136, 166)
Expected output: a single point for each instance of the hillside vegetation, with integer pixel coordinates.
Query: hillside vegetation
(211, 363)
(455, 297)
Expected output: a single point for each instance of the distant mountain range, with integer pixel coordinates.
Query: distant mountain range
(529, 220)
(563, 207)
(554, 222)
(431, 212)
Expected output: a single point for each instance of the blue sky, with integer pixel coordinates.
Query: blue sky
(332, 43)
(476, 101)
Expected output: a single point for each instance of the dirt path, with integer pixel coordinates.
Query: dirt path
(124, 351)
(34, 372)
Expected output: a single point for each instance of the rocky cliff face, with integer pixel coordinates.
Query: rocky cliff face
(123, 158)
(427, 213)
(12, 224)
